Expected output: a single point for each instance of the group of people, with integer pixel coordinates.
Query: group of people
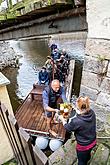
(83, 124)
(56, 66)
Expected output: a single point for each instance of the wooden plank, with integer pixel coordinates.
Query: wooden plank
(40, 157)
(29, 113)
(65, 155)
(38, 118)
(34, 121)
(21, 111)
(24, 117)
(44, 125)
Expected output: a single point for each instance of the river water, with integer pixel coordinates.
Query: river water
(34, 54)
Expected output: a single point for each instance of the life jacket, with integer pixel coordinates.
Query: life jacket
(53, 96)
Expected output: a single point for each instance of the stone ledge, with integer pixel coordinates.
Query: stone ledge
(103, 99)
(90, 80)
(92, 93)
(105, 85)
(94, 65)
(95, 47)
(3, 80)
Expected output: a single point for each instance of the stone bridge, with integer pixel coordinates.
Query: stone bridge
(69, 21)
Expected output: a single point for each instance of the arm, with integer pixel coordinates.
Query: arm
(72, 126)
(46, 77)
(46, 101)
(39, 76)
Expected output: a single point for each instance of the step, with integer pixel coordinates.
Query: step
(65, 155)
(101, 155)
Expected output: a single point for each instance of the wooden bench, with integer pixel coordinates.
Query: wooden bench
(37, 90)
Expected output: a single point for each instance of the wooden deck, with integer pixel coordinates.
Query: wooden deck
(30, 115)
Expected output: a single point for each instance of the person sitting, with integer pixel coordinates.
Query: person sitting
(83, 124)
(43, 76)
(53, 46)
(50, 96)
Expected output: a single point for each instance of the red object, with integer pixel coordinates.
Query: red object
(85, 148)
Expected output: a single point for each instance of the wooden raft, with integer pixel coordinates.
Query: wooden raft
(30, 115)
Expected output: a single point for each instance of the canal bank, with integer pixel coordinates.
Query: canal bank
(34, 53)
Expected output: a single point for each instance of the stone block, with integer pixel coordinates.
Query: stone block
(94, 65)
(101, 155)
(105, 85)
(108, 72)
(99, 110)
(92, 93)
(64, 155)
(103, 99)
(90, 80)
(96, 47)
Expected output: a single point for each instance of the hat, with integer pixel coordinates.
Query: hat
(58, 60)
(62, 56)
(49, 57)
(44, 67)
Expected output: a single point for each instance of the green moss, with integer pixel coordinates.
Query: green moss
(11, 162)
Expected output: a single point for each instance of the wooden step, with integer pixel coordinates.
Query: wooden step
(101, 155)
(65, 155)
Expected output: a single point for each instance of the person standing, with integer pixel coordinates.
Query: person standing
(50, 96)
(83, 124)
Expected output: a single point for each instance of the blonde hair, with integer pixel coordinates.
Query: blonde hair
(83, 104)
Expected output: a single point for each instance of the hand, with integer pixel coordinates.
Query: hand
(63, 120)
(57, 111)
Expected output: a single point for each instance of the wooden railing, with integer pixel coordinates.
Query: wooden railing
(24, 152)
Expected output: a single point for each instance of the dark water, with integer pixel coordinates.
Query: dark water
(34, 54)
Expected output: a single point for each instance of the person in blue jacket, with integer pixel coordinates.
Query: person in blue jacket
(43, 76)
(51, 95)
(83, 124)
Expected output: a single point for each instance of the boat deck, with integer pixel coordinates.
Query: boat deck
(30, 116)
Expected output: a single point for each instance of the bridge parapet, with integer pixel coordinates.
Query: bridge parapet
(14, 8)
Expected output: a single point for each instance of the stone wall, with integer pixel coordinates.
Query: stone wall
(8, 56)
(96, 70)
(96, 77)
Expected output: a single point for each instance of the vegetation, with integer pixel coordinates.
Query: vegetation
(11, 162)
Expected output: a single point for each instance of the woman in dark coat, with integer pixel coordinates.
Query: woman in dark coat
(83, 124)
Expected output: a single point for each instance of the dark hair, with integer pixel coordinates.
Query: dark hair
(83, 106)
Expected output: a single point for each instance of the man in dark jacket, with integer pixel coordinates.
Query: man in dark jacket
(43, 76)
(84, 127)
(51, 95)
